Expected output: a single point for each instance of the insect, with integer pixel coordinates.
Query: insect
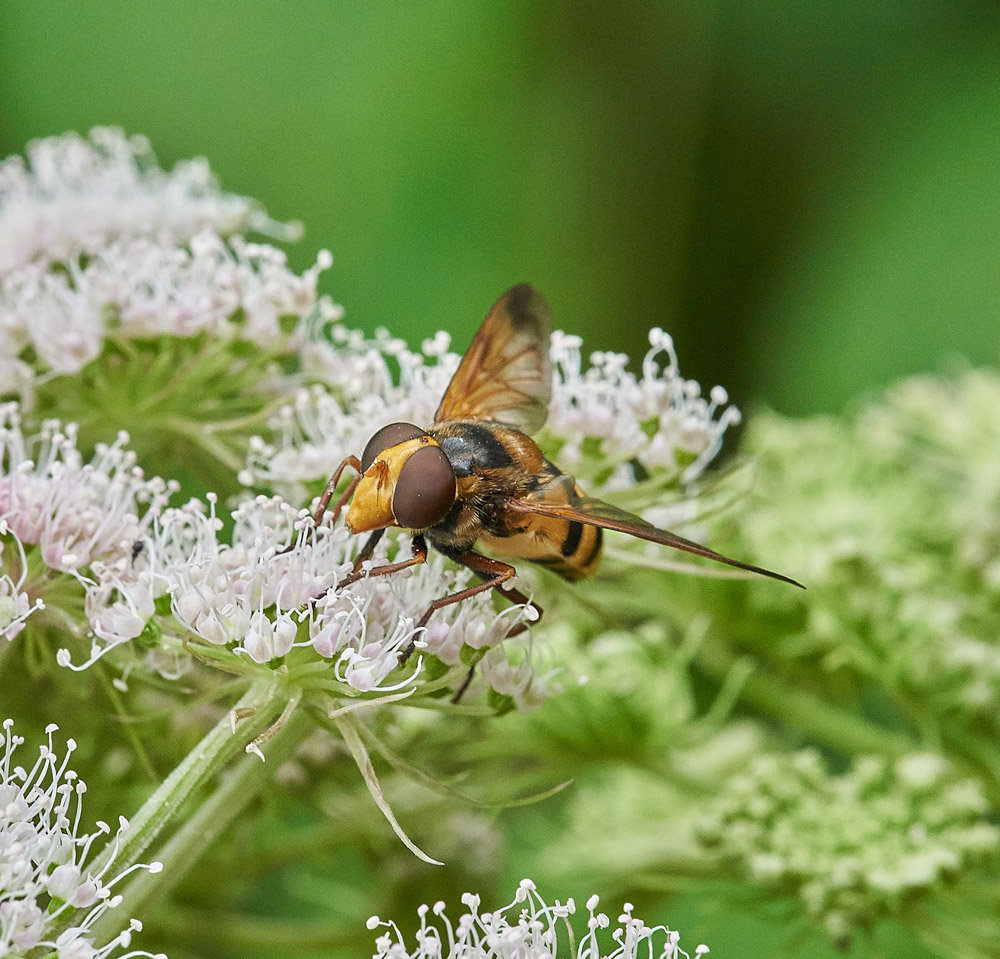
(475, 476)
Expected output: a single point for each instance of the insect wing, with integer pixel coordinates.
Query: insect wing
(561, 500)
(505, 374)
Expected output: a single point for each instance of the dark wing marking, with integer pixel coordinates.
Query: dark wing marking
(505, 374)
(562, 501)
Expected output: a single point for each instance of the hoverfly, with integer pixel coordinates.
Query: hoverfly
(475, 475)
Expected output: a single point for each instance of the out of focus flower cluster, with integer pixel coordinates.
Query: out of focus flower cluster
(74, 195)
(892, 520)
(854, 848)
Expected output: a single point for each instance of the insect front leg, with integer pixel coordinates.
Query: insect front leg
(419, 556)
(331, 488)
(368, 550)
(493, 573)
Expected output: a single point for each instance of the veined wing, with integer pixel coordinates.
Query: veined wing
(563, 501)
(505, 374)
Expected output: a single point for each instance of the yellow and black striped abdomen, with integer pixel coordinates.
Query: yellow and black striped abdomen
(567, 547)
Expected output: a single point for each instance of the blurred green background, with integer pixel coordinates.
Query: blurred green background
(804, 193)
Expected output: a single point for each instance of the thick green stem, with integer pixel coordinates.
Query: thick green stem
(237, 788)
(258, 708)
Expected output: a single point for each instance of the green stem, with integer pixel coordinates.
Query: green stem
(241, 423)
(259, 707)
(802, 711)
(5, 648)
(239, 785)
(120, 713)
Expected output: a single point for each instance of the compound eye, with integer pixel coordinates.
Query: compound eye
(425, 489)
(386, 438)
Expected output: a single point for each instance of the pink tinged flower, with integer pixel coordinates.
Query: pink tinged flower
(266, 640)
(15, 605)
(21, 923)
(150, 287)
(75, 512)
(325, 638)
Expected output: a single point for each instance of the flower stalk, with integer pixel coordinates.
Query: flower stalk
(259, 707)
(238, 786)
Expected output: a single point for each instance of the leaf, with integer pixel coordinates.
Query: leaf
(348, 729)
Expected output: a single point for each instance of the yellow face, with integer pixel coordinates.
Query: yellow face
(419, 500)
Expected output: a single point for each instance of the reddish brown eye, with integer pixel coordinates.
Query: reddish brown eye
(425, 490)
(386, 438)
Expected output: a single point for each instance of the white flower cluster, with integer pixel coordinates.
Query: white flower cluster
(98, 243)
(855, 846)
(260, 599)
(527, 927)
(76, 195)
(252, 595)
(367, 385)
(75, 512)
(658, 421)
(50, 896)
(606, 423)
(140, 287)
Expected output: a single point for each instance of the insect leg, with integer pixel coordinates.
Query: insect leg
(493, 573)
(514, 595)
(368, 549)
(331, 488)
(324, 500)
(419, 556)
(518, 599)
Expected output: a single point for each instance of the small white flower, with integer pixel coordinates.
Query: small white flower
(15, 605)
(527, 928)
(45, 876)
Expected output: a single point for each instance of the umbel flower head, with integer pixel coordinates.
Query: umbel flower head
(892, 519)
(528, 926)
(51, 895)
(128, 299)
(75, 512)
